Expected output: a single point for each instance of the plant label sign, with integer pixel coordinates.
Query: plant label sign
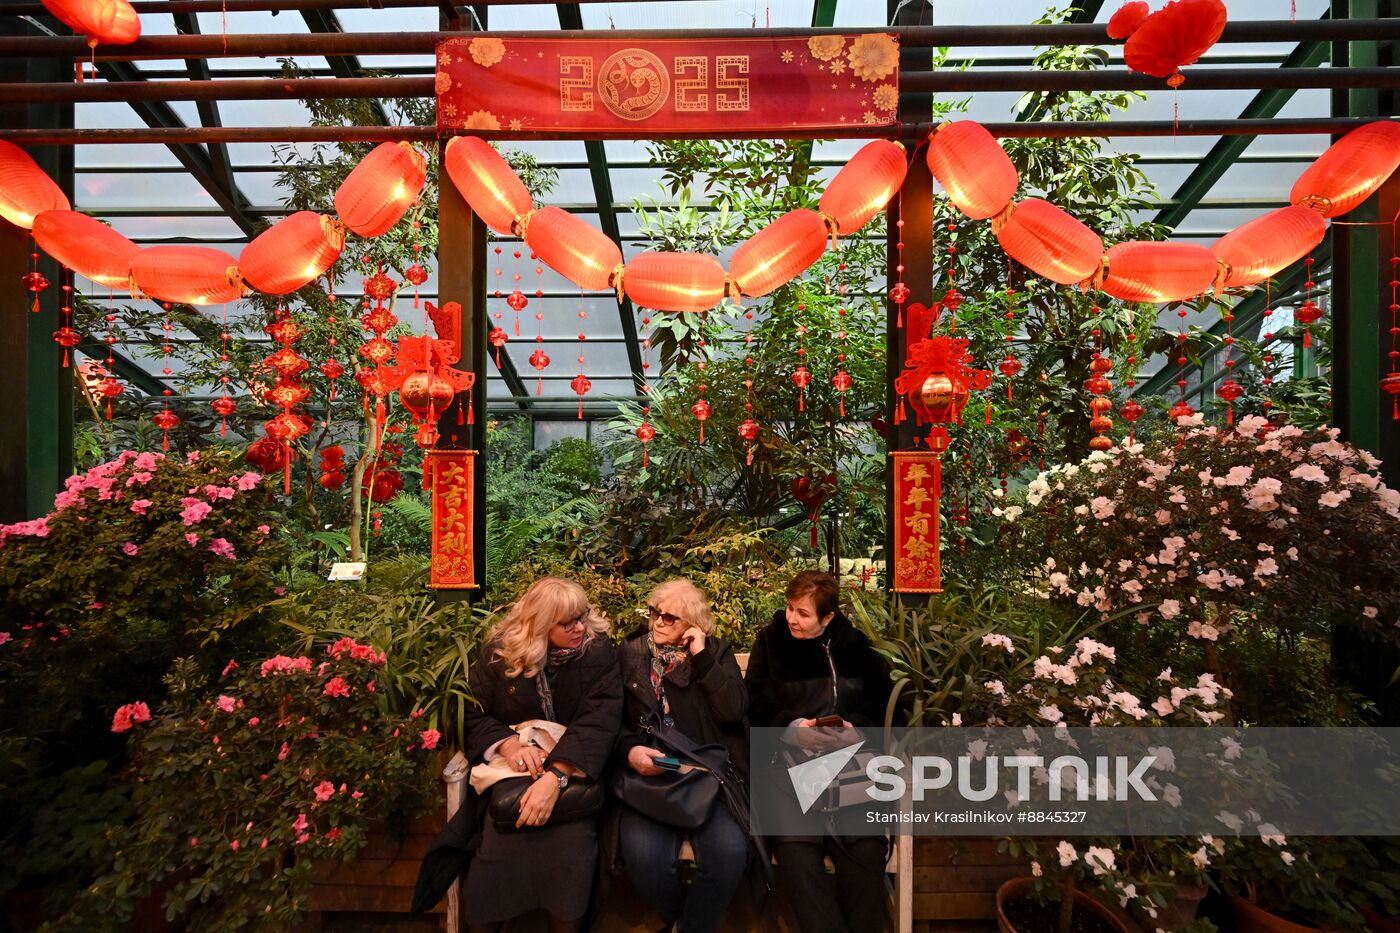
(503, 85)
(346, 570)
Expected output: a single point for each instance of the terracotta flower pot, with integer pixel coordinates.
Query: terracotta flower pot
(1181, 908)
(1019, 888)
(1251, 918)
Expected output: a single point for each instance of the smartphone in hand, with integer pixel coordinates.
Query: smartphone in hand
(829, 722)
(667, 763)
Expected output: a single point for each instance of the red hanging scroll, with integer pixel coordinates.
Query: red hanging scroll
(498, 85)
(918, 478)
(451, 475)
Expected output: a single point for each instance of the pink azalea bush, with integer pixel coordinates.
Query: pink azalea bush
(243, 785)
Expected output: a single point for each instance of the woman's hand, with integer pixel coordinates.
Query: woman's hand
(693, 639)
(521, 757)
(639, 758)
(537, 803)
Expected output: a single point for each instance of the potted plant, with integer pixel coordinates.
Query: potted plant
(241, 788)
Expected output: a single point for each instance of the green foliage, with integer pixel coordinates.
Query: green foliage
(237, 797)
(428, 645)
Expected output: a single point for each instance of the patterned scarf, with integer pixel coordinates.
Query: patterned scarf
(557, 658)
(664, 660)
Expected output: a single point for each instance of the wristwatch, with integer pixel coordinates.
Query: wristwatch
(560, 776)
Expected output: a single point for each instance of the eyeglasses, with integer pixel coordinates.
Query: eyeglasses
(656, 615)
(578, 621)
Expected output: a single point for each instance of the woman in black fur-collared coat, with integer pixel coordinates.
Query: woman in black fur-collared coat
(810, 663)
(549, 658)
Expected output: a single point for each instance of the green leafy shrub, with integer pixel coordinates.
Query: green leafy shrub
(239, 791)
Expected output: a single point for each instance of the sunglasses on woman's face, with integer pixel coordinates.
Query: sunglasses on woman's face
(578, 621)
(666, 618)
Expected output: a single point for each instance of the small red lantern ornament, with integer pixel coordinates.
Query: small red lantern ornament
(167, 421)
(972, 168)
(812, 494)
(675, 281)
(35, 283)
(842, 382)
(332, 480)
(498, 338)
(26, 190)
(267, 455)
(1307, 314)
(488, 184)
(1127, 19)
(1230, 391)
(938, 380)
(749, 431)
(87, 246)
(292, 252)
(1268, 244)
(1174, 37)
(1350, 170)
(581, 386)
(1131, 412)
(701, 410)
(379, 191)
(1009, 367)
(1049, 241)
(190, 275)
(224, 406)
(863, 186)
(540, 361)
(802, 378)
(573, 248)
(778, 253)
(645, 433)
(1182, 409)
(1390, 384)
(109, 22)
(385, 485)
(332, 369)
(109, 388)
(427, 383)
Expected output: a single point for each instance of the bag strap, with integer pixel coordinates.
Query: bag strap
(672, 736)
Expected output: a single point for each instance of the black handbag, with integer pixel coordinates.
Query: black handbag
(682, 798)
(581, 800)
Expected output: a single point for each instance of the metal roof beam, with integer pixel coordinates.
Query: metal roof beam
(1265, 105)
(197, 69)
(342, 66)
(123, 366)
(196, 159)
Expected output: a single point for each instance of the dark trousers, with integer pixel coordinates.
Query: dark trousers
(854, 901)
(652, 852)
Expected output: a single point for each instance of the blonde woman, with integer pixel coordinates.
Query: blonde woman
(548, 658)
(676, 670)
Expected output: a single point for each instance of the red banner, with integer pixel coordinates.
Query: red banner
(451, 475)
(917, 564)
(499, 85)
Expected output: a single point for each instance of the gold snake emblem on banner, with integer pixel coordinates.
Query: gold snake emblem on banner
(633, 84)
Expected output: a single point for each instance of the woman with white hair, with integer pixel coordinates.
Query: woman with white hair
(677, 674)
(548, 658)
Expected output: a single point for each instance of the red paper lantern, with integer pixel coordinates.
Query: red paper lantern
(292, 252)
(26, 191)
(379, 191)
(1158, 272)
(332, 480)
(1174, 37)
(1128, 19)
(111, 22)
(193, 275)
(1351, 170)
(87, 246)
(267, 454)
(386, 485)
(1268, 244)
(487, 182)
(581, 253)
(778, 253)
(864, 185)
(973, 169)
(675, 281)
(1050, 242)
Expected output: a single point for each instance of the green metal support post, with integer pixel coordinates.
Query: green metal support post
(36, 439)
(914, 205)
